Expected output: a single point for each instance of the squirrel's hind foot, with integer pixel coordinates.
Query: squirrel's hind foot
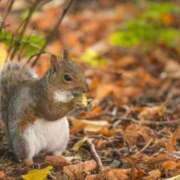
(28, 162)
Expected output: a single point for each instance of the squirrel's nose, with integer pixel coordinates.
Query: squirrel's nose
(82, 89)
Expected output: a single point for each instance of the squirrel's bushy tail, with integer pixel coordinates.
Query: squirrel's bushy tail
(11, 76)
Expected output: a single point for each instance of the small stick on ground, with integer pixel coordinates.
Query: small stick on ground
(169, 123)
(145, 147)
(95, 155)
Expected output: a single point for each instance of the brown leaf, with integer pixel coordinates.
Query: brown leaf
(111, 174)
(159, 158)
(116, 174)
(89, 126)
(172, 141)
(169, 165)
(79, 171)
(77, 126)
(149, 113)
(105, 131)
(93, 177)
(95, 126)
(95, 112)
(104, 89)
(154, 174)
(134, 132)
(2, 175)
(57, 161)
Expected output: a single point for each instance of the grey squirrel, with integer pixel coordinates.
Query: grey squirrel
(34, 110)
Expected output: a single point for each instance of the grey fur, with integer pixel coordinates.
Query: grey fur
(25, 98)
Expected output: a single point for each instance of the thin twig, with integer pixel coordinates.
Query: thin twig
(146, 122)
(24, 27)
(145, 147)
(53, 33)
(158, 123)
(95, 155)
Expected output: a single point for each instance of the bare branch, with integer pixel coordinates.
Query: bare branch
(9, 7)
(95, 155)
(23, 28)
(53, 33)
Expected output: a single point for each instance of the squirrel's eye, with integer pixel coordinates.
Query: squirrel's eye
(67, 77)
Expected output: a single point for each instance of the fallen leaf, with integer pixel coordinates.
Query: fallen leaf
(172, 141)
(111, 174)
(79, 171)
(149, 113)
(93, 177)
(105, 131)
(77, 126)
(2, 175)
(57, 161)
(95, 112)
(172, 69)
(88, 125)
(37, 174)
(104, 89)
(94, 126)
(79, 144)
(116, 174)
(174, 178)
(135, 132)
(169, 165)
(154, 174)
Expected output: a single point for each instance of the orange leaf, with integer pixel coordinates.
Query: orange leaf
(2, 175)
(134, 132)
(171, 143)
(154, 174)
(95, 112)
(78, 171)
(169, 165)
(116, 174)
(57, 161)
(167, 19)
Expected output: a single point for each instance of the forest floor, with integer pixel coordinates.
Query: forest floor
(133, 130)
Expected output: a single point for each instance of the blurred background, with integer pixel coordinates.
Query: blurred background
(130, 52)
(126, 46)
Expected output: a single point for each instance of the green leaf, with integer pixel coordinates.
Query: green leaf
(171, 37)
(144, 31)
(155, 10)
(92, 58)
(30, 43)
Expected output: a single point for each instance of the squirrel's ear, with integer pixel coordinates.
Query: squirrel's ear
(54, 62)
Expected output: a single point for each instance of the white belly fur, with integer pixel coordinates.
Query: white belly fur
(52, 136)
